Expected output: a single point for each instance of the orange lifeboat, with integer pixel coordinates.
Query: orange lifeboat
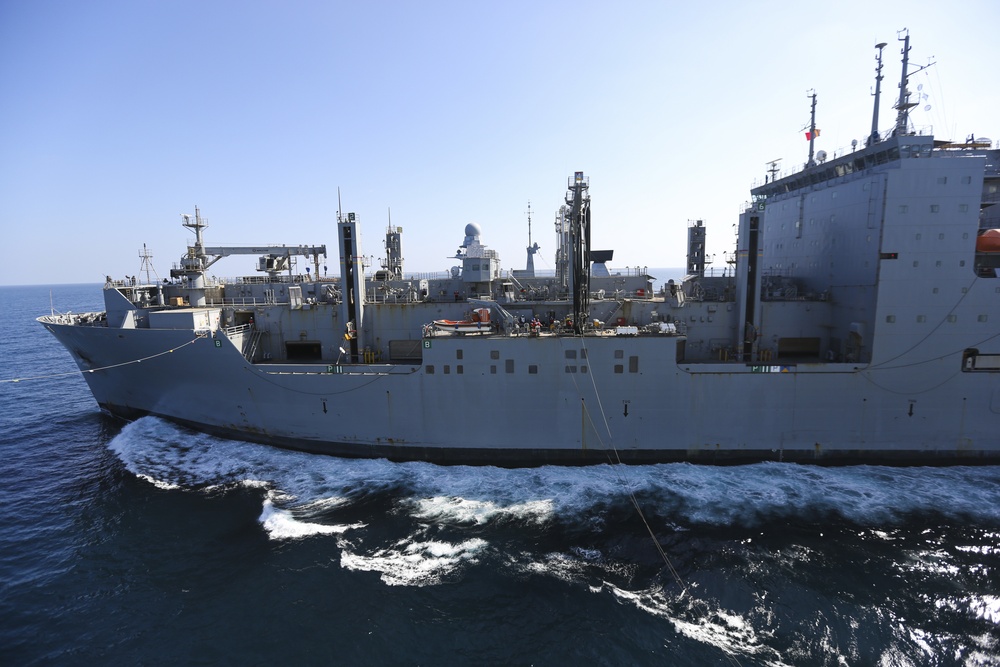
(988, 241)
(478, 322)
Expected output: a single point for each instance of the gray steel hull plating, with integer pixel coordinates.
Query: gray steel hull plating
(539, 400)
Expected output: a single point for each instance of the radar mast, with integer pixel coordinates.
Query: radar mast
(903, 105)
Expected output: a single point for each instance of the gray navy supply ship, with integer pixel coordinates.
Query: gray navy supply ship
(858, 321)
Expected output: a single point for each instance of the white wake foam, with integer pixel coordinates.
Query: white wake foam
(416, 563)
(281, 524)
(306, 495)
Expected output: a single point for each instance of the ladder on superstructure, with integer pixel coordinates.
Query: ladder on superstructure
(251, 343)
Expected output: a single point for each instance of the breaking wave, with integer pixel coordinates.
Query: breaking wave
(418, 524)
(684, 494)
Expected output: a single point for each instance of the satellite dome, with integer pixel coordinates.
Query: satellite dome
(473, 229)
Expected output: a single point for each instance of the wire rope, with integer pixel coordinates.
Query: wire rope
(618, 468)
(102, 368)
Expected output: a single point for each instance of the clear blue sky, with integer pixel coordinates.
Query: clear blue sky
(117, 116)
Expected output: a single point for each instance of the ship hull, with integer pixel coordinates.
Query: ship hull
(547, 400)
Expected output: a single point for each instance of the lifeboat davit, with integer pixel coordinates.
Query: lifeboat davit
(988, 241)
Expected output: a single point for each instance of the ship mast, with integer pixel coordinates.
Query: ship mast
(873, 138)
(146, 259)
(193, 264)
(529, 268)
(904, 104)
(811, 135)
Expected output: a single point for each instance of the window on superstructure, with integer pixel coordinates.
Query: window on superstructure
(935, 208)
(921, 318)
(459, 369)
(982, 318)
(429, 369)
(966, 180)
(633, 364)
(619, 354)
(890, 319)
(903, 208)
(571, 354)
(619, 368)
(447, 369)
(493, 370)
(458, 354)
(494, 354)
(942, 180)
(509, 365)
(963, 208)
(532, 369)
(953, 318)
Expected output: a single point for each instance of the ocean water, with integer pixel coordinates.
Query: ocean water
(146, 543)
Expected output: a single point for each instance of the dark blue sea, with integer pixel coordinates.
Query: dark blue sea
(147, 544)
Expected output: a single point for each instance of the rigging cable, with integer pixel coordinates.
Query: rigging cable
(626, 483)
(929, 333)
(618, 469)
(104, 368)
